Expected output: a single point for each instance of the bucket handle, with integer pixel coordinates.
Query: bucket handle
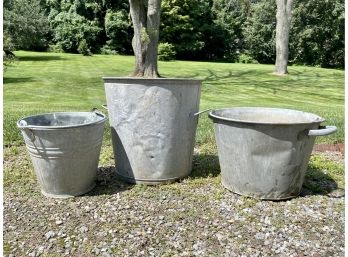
(96, 111)
(198, 113)
(322, 131)
(23, 125)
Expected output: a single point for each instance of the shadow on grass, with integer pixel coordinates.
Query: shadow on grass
(205, 165)
(316, 181)
(249, 78)
(41, 58)
(108, 183)
(17, 80)
(319, 183)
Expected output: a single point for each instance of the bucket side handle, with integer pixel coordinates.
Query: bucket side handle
(198, 113)
(23, 125)
(97, 112)
(322, 131)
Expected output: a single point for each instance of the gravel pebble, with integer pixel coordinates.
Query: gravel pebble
(49, 235)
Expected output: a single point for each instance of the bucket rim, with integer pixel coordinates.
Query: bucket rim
(104, 118)
(214, 116)
(108, 79)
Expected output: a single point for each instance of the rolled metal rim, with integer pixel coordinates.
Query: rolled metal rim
(100, 114)
(134, 80)
(215, 116)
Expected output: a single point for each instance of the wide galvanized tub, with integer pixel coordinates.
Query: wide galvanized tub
(153, 125)
(264, 152)
(64, 148)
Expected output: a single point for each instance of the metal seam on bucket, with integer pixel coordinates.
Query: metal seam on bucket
(54, 153)
(148, 180)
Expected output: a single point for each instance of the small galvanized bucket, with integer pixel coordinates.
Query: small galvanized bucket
(264, 152)
(64, 148)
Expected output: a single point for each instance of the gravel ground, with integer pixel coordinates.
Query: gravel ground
(196, 217)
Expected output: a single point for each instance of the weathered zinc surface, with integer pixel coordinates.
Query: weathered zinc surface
(153, 127)
(264, 152)
(64, 148)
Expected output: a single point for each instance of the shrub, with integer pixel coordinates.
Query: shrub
(83, 48)
(245, 58)
(118, 30)
(8, 55)
(166, 52)
(107, 50)
(57, 48)
(71, 29)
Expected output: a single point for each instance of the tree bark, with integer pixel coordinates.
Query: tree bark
(145, 16)
(282, 35)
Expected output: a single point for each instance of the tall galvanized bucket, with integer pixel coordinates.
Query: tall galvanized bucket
(264, 152)
(64, 148)
(153, 125)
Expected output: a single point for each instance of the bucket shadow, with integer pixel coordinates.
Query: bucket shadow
(108, 183)
(17, 80)
(319, 183)
(42, 58)
(205, 165)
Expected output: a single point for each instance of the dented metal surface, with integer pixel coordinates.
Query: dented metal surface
(64, 149)
(153, 127)
(264, 152)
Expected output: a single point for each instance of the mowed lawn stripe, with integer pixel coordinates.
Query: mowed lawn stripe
(44, 82)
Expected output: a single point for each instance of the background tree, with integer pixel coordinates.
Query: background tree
(118, 31)
(146, 21)
(25, 25)
(259, 31)
(226, 30)
(231, 17)
(93, 23)
(317, 33)
(191, 27)
(75, 25)
(284, 8)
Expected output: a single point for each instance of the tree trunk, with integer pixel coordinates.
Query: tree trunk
(146, 20)
(282, 35)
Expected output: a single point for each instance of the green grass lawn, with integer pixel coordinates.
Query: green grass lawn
(45, 82)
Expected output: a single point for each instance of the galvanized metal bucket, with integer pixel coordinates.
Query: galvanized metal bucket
(64, 148)
(153, 124)
(264, 152)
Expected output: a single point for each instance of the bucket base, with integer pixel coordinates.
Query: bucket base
(259, 198)
(68, 195)
(147, 181)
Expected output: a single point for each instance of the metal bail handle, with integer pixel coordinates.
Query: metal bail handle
(96, 111)
(198, 113)
(322, 131)
(23, 125)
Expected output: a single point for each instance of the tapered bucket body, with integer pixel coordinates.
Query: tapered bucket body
(153, 126)
(264, 152)
(64, 148)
